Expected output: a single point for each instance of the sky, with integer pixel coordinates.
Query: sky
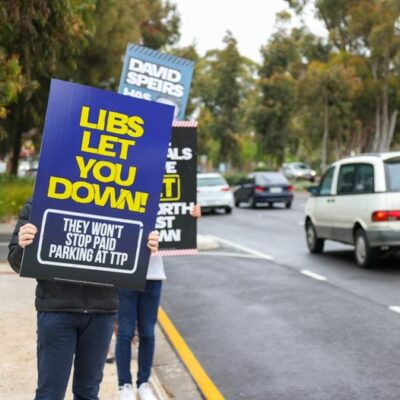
(250, 21)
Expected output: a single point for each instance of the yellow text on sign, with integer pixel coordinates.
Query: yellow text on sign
(171, 188)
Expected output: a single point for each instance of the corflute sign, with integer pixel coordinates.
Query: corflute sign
(150, 75)
(98, 186)
(176, 225)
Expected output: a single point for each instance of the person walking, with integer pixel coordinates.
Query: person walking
(140, 309)
(74, 324)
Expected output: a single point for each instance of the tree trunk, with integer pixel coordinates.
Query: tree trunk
(325, 136)
(384, 119)
(392, 128)
(16, 134)
(377, 136)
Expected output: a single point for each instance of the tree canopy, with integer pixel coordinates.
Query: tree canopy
(310, 99)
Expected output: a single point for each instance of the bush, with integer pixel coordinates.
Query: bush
(233, 179)
(13, 194)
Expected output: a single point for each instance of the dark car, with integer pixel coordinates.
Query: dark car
(264, 188)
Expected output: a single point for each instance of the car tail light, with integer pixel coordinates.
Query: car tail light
(290, 188)
(259, 189)
(381, 216)
(226, 189)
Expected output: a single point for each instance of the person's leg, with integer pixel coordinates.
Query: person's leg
(94, 338)
(147, 318)
(56, 341)
(127, 315)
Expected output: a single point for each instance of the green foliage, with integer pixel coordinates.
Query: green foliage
(46, 38)
(152, 23)
(223, 85)
(11, 82)
(80, 40)
(311, 99)
(368, 29)
(13, 194)
(234, 179)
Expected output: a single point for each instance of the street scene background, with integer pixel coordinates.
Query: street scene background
(261, 316)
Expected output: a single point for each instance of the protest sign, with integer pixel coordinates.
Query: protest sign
(150, 75)
(98, 187)
(176, 226)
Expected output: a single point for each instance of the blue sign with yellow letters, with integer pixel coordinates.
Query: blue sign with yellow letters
(151, 75)
(98, 186)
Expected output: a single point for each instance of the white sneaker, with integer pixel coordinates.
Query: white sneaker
(126, 392)
(145, 392)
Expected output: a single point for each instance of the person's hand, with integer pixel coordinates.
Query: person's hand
(196, 211)
(26, 235)
(152, 241)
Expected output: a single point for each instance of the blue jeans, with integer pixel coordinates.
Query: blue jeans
(61, 335)
(140, 307)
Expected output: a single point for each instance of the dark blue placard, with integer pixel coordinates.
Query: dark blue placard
(98, 186)
(151, 75)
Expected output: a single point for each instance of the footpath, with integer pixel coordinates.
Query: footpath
(170, 379)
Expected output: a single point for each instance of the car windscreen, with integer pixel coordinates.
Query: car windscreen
(215, 181)
(302, 166)
(393, 174)
(272, 178)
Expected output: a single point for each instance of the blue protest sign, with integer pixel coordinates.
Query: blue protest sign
(98, 186)
(150, 75)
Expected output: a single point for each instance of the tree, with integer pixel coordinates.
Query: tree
(223, 82)
(326, 91)
(369, 29)
(285, 60)
(11, 82)
(44, 37)
(151, 23)
(273, 116)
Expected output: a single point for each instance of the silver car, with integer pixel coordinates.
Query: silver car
(298, 170)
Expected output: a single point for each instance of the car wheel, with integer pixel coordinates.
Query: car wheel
(314, 243)
(365, 255)
(228, 210)
(252, 202)
(288, 204)
(237, 203)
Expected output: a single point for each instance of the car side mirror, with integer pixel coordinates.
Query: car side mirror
(313, 190)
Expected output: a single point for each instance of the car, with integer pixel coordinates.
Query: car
(267, 187)
(357, 202)
(214, 193)
(298, 170)
(3, 167)
(27, 168)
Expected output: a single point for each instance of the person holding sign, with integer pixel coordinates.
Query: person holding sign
(74, 324)
(140, 308)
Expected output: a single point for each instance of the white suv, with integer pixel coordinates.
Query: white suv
(357, 202)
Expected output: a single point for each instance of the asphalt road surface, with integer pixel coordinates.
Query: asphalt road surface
(268, 321)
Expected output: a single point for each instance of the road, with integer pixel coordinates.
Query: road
(269, 321)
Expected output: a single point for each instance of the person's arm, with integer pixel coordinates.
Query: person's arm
(22, 236)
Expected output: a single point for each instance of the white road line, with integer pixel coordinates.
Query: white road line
(395, 308)
(244, 248)
(301, 223)
(313, 275)
(226, 254)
